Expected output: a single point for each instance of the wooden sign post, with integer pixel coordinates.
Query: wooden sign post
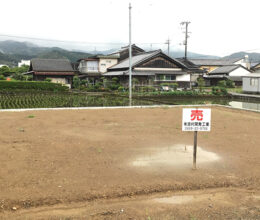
(196, 120)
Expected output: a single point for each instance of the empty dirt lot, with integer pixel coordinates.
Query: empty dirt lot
(128, 164)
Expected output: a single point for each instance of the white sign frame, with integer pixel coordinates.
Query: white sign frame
(195, 119)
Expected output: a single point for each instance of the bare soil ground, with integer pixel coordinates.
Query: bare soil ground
(81, 164)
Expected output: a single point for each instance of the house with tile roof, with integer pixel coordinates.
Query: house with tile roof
(58, 70)
(211, 64)
(232, 72)
(255, 67)
(123, 53)
(153, 68)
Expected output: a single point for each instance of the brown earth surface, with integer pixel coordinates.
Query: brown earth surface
(128, 164)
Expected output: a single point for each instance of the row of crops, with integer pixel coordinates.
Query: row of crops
(15, 100)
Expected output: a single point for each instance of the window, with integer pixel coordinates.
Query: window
(254, 82)
(83, 64)
(92, 66)
(165, 77)
(108, 61)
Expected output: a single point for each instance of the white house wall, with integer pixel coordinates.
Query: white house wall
(239, 72)
(24, 62)
(106, 63)
(183, 78)
(247, 87)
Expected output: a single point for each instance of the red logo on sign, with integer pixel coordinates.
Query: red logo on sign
(196, 114)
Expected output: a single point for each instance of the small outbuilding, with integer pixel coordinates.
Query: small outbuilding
(251, 83)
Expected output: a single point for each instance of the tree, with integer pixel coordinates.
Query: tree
(5, 70)
(201, 83)
(76, 82)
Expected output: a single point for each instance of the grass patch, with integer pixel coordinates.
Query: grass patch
(21, 130)
(236, 90)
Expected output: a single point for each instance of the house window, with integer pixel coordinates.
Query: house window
(83, 64)
(92, 66)
(254, 82)
(165, 77)
(108, 61)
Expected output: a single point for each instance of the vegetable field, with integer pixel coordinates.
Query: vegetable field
(14, 100)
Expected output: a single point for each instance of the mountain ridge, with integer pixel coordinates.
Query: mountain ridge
(11, 52)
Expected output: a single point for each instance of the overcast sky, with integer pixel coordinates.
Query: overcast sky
(218, 27)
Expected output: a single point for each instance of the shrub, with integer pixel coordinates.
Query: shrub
(222, 83)
(115, 79)
(19, 76)
(2, 77)
(25, 85)
(215, 90)
(121, 89)
(223, 91)
(230, 83)
(135, 82)
(173, 86)
(83, 82)
(29, 78)
(47, 80)
(148, 89)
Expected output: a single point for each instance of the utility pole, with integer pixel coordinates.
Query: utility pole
(130, 58)
(186, 23)
(168, 42)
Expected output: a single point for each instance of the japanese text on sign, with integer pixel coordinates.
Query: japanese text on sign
(196, 119)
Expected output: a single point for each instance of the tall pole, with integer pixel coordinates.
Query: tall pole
(168, 43)
(186, 23)
(195, 150)
(130, 58)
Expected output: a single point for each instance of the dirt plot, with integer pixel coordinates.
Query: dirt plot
(128, 164)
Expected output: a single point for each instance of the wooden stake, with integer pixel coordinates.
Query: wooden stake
(195, 150)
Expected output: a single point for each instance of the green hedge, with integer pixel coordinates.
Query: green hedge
(22, 85)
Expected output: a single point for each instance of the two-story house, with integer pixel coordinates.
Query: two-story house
(92, 68)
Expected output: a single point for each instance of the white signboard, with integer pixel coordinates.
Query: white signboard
(196, 119)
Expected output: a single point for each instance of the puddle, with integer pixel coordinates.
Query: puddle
(175, 199)
(179, 155)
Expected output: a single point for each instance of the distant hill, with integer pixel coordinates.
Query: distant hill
(11, 52)
(253, 57)
(178, 54)
(173, 53)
